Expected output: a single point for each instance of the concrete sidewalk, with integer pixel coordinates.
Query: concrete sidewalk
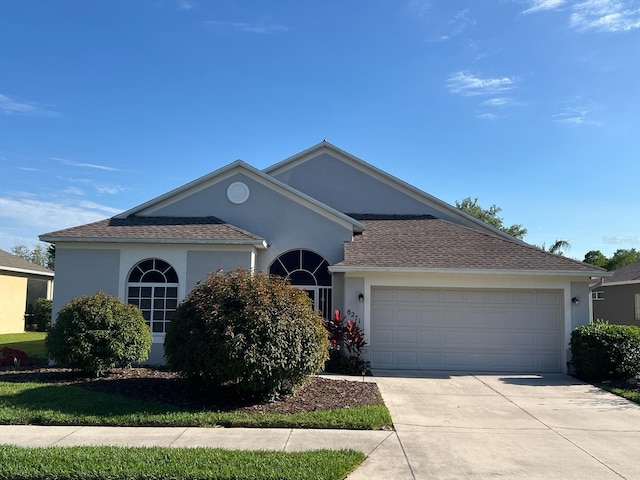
(284, 439)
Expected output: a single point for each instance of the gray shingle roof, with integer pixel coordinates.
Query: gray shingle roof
(156, 228)
(628, 273)
(407, 241)
(12, 262)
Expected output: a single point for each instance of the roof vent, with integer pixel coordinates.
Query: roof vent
(238, 193)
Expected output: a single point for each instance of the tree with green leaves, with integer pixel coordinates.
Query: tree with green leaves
(42, 254)
(490, 217)
(558, 247)
(596, 257)
(620, 258)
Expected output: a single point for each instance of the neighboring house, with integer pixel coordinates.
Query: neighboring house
(433, 287)
(21, 284)
(617, 299)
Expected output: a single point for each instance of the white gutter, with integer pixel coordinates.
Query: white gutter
(469, 271)
(261, 244)
(30, 272)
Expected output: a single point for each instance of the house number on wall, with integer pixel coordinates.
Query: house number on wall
(351, 315)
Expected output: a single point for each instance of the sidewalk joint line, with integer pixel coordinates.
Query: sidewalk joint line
(67, 436)
(184, 430)
(286, 444)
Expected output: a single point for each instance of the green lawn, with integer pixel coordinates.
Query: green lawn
(160, 463)
(32, 343)
(633, 395)
(46, 404)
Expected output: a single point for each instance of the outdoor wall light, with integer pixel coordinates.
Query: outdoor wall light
(575, 301)
(361, 297)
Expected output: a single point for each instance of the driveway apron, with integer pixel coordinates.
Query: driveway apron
(467, 426)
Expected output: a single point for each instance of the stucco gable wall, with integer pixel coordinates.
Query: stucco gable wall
(351, 190)
(284, 223)
(13, 299)
(84, 272)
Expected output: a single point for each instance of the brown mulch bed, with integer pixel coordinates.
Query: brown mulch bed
(162, 386)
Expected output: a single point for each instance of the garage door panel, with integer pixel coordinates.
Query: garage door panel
(409, 359)
(547, 298)
(497, 297)
(498, 330)
(407, 337)
(451, 296)
(382, 337)
(524, 298)
(406, 316)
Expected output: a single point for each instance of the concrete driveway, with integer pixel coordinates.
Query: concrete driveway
(466, 426)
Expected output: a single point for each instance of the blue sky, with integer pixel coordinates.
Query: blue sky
(532, 105)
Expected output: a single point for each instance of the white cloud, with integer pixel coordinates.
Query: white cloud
(186, 5)
(419, 7)
(575, 116)
(52, 215)
(498, 102)
(74, 191)
(10, 106)
(267, 29)
(542, 5)
(466, 84)
(487, 116)
(605, 16)
(71, 163)
(458, 24)
(98, 187)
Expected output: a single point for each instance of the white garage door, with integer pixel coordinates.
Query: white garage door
(482, 330)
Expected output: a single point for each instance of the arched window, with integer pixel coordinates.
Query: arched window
(309, 271)
(153, 287)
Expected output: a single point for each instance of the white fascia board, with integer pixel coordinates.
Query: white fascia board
(26, 271)
(260, 244)
(387, 178)
(241, 167)
(461, 271)
(613, 284)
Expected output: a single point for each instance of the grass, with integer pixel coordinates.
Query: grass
(32, 343)
(46, 404)
(633, 395)
(159, 463)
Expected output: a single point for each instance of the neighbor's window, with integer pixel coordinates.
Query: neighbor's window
(153, 288)
(636, 298)
(597, 295)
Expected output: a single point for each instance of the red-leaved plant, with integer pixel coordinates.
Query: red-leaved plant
(346, 344)
(13, 357)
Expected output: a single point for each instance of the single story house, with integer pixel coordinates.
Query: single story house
(21, 284)
(433, 287)
(617, 299)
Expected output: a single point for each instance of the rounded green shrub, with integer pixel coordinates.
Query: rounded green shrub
(601, 351)
(253, 333)
(42, 314)
(98, 332)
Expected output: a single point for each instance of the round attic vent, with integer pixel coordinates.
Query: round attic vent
(238, 193)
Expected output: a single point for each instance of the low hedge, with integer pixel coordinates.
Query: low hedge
(604, 351)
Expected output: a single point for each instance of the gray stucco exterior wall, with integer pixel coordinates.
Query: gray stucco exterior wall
(350, 190)
(283, 223)
(201, 263)
(580, 311)
(84, 272)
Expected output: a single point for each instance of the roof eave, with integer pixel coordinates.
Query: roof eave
(259, 243)
(26, 271)
(468, 271)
